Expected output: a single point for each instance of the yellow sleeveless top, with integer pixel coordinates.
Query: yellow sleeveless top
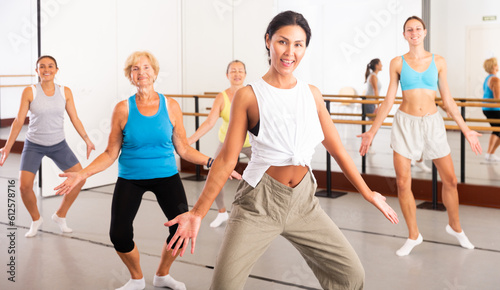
(224, 114)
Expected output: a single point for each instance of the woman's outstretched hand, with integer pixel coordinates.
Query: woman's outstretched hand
(188, 226)
(472, 137)
(378, 201)
(4, 153)
(366, 141)
(72, 179)
(90, 147)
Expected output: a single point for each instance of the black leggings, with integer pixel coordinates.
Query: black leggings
(493, 115)
(127, 198)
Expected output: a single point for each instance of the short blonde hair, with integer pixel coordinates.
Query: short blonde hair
(490, 64)
(134, 57)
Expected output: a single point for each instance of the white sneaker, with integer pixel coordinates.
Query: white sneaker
(423, 167)
(492, 158)
(221, 217)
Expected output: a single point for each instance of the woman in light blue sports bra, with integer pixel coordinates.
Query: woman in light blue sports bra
(418, 129)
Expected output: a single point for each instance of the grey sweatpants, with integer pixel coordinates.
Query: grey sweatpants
(270, 209)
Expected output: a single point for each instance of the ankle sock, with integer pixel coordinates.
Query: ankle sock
(34, 228)
(221, 217)
(169, 282)
(461, 237)
(61, 222)
(409, 245)
(134, 284)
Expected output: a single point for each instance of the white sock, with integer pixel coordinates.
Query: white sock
(61, 222)
(169, 282)
(461, 237)
(34, 228)
(134, 284)
(221, 217)
(409, 245)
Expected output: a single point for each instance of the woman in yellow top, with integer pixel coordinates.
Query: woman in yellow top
(235, 73)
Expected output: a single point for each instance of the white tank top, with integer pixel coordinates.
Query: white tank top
(46, 125)
(370, 90)
(289, 129)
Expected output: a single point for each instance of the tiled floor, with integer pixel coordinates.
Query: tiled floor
(85, 259)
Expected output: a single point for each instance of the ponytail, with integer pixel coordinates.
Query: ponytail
(367, 73)
(371, 66)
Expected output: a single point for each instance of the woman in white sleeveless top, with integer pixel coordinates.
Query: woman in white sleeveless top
(46, 102)
(286, 118)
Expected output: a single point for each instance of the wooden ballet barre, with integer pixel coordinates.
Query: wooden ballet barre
(357, 122)
(471, 104)
(14, 86)
(195, 114)
(190, 96)
(440, 103)
(16, 76)
(359, 101)
(495, 121)
(400, 98)
(448, 127)
(475, 100)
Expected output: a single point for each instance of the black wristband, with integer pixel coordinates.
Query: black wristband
(209, 162)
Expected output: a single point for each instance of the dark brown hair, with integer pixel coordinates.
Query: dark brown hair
(371, 66)
(284, 19)
(45, 56)
(413, 18)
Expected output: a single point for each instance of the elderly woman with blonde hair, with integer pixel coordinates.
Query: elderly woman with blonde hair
(491, 88)
(146, 128)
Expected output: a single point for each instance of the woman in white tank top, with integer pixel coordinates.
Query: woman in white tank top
(46, 103)
(373, 83)
(287, 119)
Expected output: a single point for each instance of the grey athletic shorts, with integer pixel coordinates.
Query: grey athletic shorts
(61, 154)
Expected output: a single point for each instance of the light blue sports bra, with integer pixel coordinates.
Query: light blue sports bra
(411, 79)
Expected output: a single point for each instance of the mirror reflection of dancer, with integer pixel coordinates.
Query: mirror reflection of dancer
(287, 118)
(373, 84)
(236, 74)
(146, 128)
(491, 88)
(46, 102)
(418, 130)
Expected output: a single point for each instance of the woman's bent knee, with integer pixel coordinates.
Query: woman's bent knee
(122, 242)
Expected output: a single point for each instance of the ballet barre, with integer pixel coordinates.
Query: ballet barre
(462, 102)
(350, 99)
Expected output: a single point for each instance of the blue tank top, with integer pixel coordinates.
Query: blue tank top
(488, 94)
(147, 149)
(411, 79)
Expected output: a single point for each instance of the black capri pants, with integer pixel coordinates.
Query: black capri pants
(493, 115)
(127, 198)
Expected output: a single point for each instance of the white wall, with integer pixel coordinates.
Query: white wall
(91, 41)
(194, 40)
(18, 47)
(214, 33)
(345, 37)
(450, 22)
